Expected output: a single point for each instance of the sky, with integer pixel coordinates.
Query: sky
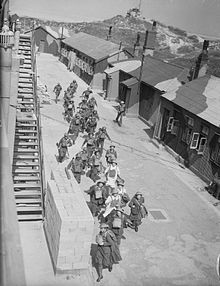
(195, 16)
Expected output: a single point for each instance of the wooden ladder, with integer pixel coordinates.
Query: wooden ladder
(26, 167)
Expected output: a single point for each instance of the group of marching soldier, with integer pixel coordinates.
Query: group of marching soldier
(108, 197)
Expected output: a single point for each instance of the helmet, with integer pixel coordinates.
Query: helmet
(114, 191)
(65, 135)
(138, 193)
(104, 225)
(94, 112)
(103, 128)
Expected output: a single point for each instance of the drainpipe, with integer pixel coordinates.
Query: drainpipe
(109, 33)
(137, 46)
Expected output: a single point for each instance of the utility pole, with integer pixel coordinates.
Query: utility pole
(148, 43)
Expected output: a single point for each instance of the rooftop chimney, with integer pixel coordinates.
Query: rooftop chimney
(137, 46)
(150, 39)
(109, 33)
(201, 62)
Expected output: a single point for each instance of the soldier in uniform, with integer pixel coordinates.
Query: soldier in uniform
(86, 93)
(96, 166)
(111, 154)
(121, 113)
(138, 210)
(108, 252)
(76, 167)
(84, 157)
(62, 146)
(97, 198)
(101, 135)
(90, 144)
(91, 124)
(74, 129)
(57, 89)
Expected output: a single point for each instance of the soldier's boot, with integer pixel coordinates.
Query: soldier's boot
(99, 270)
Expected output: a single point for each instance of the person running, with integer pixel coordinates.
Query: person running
(76, 167)
(101, 135)
(62, 146)
(121, 113)
(97, 198)
(108, 252)
(111, 154)
(138, 210)
(57, 89)
(112, 173)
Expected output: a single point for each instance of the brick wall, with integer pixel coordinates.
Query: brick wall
(68, 224)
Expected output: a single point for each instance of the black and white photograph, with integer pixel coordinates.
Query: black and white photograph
(110, 142)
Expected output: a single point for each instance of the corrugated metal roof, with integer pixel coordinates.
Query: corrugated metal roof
(92, 46)
(156, 71)
(200, 97)
(55, 32)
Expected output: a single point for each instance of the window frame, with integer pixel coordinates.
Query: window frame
(192, 140)
(170, 124)
(201, 152)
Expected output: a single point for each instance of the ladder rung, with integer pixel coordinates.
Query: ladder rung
(29, 217)
(26, 131)
(25, 171)
(27, 186)
(29, 209)
(26, 137)
(24, 178)
(27, 193)
(33, 201)
(26, 164)
(22, 143)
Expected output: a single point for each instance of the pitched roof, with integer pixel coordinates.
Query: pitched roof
(55, 32)
(92, 46)
(126, 66)
(160, 74)
(200, 96)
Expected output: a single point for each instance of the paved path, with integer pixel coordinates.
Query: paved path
(179, 250)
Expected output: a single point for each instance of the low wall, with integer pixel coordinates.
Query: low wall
(68, 224)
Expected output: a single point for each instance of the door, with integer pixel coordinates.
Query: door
(165, 119)
(42, 45)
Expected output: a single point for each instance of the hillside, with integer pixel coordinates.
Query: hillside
(172, 44)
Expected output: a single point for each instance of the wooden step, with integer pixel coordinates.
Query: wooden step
(25, 80)
(26, 151)
(23, 143)
(29, 217)
(19, 137)
(26, 157)
(29, 102)
(28, 194)
(20, 124)
(25, 178)
(27, 186)
(32, 201)
(25, 164)
(25, 131)
(25, 96)
(25, 171)
(29, 209)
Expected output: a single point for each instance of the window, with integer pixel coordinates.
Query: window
(205, 130)
(175, 127)
(195, 141)
(202, 145)
(170, 124)
(215, 149)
